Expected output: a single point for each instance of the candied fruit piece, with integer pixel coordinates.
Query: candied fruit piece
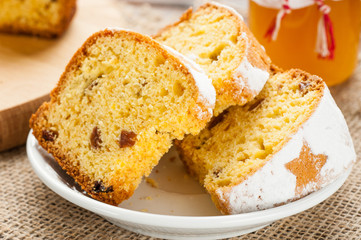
(127, 139)
(95, 139)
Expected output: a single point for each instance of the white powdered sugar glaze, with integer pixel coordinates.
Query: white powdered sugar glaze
(254, 77)
(325, 132)
(334, 138)
(192, 57)
(294, 4)
(203, 83)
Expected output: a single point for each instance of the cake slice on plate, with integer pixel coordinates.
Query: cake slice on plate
(117, 107)
(45, 18)
(289, 141)
(216, 38)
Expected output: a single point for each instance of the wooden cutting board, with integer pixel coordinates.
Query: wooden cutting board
(30, 67)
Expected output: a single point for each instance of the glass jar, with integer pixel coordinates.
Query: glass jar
(321, 37)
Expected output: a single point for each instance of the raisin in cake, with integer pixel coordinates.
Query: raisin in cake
(216, 38)
(117, 107)
(289, 141)
(46, 18)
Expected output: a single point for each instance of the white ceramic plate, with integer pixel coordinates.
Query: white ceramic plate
(177, 208)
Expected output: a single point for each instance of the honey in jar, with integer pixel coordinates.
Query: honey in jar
(293, 41)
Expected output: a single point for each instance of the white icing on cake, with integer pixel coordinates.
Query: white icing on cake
(203, 83)
(294, 4)
(326, 132)
(254, 77)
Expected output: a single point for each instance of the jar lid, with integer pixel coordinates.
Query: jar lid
(294, 4)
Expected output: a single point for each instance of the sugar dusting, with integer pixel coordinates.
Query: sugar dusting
(253, 76)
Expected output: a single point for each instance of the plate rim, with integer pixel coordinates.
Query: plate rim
(173, 221)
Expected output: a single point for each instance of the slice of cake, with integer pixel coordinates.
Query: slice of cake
(45, 18)
(119, 104)
(289, 141)
(216, 38)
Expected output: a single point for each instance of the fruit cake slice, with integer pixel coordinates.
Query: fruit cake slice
(119, 104)
(289, 141)
(216, 38)
(46, 18)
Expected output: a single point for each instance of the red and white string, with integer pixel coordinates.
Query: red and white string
(325, 42)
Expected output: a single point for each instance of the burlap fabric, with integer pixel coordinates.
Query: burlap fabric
(29, 210)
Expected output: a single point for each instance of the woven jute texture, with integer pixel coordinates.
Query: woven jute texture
(29, 210)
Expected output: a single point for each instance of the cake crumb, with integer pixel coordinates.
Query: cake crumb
(172, 159)
(145, 198)
(144, 210)
(151, 182)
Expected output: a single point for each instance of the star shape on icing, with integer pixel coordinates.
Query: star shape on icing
(306, 167)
